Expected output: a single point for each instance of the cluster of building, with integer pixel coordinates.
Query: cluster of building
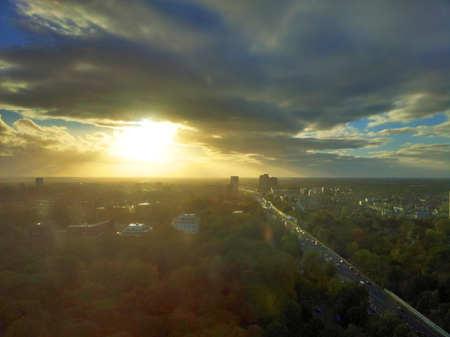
(184, 222)
(301, 197)
(415, 214)
(412, 207)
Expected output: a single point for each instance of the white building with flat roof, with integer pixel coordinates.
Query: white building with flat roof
(186, 222)
(136, 229)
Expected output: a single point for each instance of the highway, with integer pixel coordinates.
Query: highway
(379, 301)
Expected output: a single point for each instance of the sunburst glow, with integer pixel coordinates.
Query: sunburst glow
(150, 141)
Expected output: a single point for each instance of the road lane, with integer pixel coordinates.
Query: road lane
(378, 300)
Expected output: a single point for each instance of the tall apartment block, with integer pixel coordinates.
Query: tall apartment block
(234, 185)
(39, 182)
(266, 183)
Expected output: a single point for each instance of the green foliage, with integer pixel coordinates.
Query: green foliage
(367, 242)
(238, 277)
(352, 248)
(362, 257)
(443, 226)
(276, 329)
(293, 318)
(352, 331)
(313, 328)
(27, 327)
(351, 304)
(287, 209)
(406, 226)
(434, 238)
(290, 244)
(438, 259)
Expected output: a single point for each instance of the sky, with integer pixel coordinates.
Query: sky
(212, 88)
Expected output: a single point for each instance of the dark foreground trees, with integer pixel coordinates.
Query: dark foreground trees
(238, 277)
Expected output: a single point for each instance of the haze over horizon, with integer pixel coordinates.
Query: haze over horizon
(209, 88)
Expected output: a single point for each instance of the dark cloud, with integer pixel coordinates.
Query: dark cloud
(257, 66)
(279, 147)
(255, 73)
(427, 153)
(337, 165)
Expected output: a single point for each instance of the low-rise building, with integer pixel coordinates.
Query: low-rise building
(97, 229)
(306, 201)
(136, 229)
(186, 222)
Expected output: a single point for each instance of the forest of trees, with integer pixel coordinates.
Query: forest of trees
(410, 257)
(238, 277)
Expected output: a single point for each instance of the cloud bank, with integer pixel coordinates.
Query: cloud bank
(244, 78)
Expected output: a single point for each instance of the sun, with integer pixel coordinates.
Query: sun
(149, 141)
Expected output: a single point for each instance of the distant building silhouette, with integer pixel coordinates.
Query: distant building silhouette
(39, 182)
(266, 183)
(234, 185)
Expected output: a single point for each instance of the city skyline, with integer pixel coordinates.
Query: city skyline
(204, 88)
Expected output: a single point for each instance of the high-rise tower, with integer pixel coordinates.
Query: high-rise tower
(234, 185)
(266, 183)
(39, 182)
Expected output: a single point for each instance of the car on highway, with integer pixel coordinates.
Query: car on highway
(362, 283)
(351, 268)
(342, 261)
(357, 274)
(368, 282)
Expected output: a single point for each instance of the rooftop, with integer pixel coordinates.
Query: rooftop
(137, 229)
(187, 216)
(90, 225)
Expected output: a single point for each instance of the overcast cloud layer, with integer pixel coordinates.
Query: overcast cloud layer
(297, 88)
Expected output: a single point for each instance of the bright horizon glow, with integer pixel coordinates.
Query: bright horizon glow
(148, 142)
